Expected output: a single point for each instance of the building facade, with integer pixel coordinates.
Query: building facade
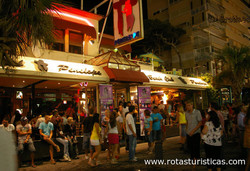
(209, 26)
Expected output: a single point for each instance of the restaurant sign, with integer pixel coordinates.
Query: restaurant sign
(162, 79)
(60, 67)
(199, 82)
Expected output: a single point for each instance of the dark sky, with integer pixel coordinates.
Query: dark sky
(89, 4)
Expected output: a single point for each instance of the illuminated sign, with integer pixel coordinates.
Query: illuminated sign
(128, 21)
(166, 78)
(198, 82)
(81, 71)
(127, 38)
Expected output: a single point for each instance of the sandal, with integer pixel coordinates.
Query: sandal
(52, 161)
(57, 149)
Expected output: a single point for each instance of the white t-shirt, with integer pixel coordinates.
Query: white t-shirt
(112, 130)
(119, 119)
(161, 106)
(8, 152)
(39, 120)
(130, 120)
(22, 128)
(9, 128)
(213, 136)
(124, 111)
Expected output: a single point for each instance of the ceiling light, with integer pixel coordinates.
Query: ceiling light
(23, 81)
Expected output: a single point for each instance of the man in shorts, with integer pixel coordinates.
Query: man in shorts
(46, 131)
(24, 131)
(157, 121)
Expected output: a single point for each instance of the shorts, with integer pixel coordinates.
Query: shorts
(156, 135)
(148, 138)
(86, 141)
(95, 142)
(113, 138)
(20, 146)
(182, 130)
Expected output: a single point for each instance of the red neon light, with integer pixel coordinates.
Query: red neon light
(73, 14)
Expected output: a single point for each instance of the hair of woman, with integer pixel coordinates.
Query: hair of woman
(113, 119)
(214, 119)
(96, 118)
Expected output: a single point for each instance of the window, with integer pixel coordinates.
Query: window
(59, 40)
(192, 20)
(75, 42)
(203, 16)
(191, 5)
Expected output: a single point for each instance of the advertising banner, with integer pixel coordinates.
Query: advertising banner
(106, 98)
(144, 98)
(128, 21)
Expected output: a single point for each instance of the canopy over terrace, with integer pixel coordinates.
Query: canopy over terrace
(119, 68)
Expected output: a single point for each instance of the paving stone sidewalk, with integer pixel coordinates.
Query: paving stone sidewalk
(170, 151)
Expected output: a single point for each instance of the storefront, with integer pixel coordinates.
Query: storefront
(46, 84)
(176, 89)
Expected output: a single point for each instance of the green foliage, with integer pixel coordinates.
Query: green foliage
(236, 62)
(212, 93)
(23, 22)
(154, 43)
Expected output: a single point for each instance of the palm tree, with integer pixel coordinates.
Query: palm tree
(236, 67)
(23, 22)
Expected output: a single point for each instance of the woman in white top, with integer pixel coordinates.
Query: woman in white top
(211, 134)
(113, 136)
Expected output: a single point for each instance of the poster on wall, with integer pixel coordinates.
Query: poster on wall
(106, 98)
(144, 99)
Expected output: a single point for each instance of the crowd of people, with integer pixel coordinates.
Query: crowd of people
(212, 127)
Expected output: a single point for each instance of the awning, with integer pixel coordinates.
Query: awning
(126, 75)
(62, 24)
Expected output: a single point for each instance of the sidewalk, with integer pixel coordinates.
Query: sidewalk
(171, 151)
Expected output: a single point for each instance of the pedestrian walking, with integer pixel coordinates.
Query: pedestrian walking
(131, 132)
(194, 122)
(212, 136)
(95, 140)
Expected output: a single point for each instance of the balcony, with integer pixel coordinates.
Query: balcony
(56, 55)
(215, 9)
(217, 42)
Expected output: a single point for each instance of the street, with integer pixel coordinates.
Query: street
(171, 151)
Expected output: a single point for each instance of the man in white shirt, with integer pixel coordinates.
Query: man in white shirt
(24, 131)
(161, 106)
(8, 127)
(131, 132)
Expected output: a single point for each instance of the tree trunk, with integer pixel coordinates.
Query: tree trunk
(178, 53)
(237, 89)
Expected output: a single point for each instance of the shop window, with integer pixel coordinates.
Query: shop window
(75, 42)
